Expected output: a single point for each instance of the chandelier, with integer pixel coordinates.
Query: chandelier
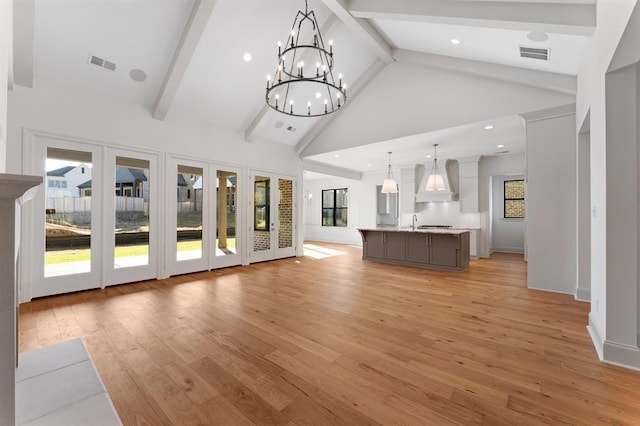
(304, 84)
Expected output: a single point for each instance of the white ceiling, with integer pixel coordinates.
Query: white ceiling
(220, 88)
(464, 141)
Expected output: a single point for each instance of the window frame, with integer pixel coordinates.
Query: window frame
(505, 199)
(265, 207)
(335, 209)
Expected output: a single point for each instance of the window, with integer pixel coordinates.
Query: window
(261, 200)
(51, 183)
(63, 184)
(334, 207)
(513, 199)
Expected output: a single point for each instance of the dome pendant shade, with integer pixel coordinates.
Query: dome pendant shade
(435, 181)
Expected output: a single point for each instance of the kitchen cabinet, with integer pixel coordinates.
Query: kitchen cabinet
(447, 250)
(417, 247)
(374, 246)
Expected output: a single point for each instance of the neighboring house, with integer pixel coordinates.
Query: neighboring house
(64, 182)
(130, 182)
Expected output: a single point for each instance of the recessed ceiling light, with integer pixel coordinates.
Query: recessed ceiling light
(247, 57)
(500, 146)
(336, 155)
(318, 95)
(428, 156)
(489, 127)
(455, 41)
(368, 165)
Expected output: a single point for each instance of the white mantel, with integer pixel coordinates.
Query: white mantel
(14, 190)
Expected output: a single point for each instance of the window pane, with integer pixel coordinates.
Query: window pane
(513, 208)
(262, 221)
(341, 217)
(327, 198)
(514, 189)
(131, 212)
(68, 213)
(285, 213)
(327, 217)
(226, 188)
(341, 198)
(189, 212)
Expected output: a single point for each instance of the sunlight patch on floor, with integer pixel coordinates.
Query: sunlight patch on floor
(316, 252)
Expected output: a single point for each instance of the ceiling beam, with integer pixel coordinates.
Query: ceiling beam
(258, 121)
(561, 83)
(565, 18)
(331, 170)
(193, 30)
(23, 39)
(356, 88)
(362, 29)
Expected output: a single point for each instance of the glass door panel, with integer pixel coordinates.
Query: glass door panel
(68, 224)
(64, 237)
(227, 249)
(226, 213)
(131, 209)
(189, 196)
(131, 188)
(285, 213)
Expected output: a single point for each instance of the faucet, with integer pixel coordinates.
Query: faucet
(414, 219)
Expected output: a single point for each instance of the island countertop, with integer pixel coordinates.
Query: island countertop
(450, 231)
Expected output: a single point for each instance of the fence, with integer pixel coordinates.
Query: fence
(83, 204)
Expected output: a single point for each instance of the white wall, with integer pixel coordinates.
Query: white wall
(497, 165)
(398, 102)
(507, 235)
(551, 200)
(612, 17)
(5, 40)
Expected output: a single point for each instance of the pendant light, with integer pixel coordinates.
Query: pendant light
(389, 186)
(435, 181)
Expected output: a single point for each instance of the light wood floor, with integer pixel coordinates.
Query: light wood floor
(340, 341)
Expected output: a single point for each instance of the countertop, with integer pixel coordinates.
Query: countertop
(451, 231)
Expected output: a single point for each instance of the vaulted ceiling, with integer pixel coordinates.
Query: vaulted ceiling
(189, 57)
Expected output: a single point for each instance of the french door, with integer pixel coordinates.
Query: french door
(204, 221)
(272, 224)
(67, 216)
(131, 216)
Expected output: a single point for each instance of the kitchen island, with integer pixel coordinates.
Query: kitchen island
(445, 249)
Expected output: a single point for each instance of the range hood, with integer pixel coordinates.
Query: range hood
(450, 192)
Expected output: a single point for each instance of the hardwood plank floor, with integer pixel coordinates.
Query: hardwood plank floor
(331, 339)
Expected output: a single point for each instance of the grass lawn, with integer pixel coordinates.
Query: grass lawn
(62, 256)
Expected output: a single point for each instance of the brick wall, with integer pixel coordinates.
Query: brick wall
(261, 240)
(285, 236)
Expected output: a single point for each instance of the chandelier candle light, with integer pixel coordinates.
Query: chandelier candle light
(435, 181)
(389, 186)
(305, 71)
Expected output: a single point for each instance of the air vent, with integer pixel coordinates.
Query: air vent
(534, 53)
(94, 60)
(291, 129)
(501, 152)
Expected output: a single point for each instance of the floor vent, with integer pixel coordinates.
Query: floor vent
(94, 60)
(534, 53)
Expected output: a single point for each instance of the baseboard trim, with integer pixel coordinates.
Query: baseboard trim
(583, 295)
(596, 337)
(622, 355)
(514, 250)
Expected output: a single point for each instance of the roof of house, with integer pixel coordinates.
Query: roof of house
(61, 171)
(129, 175)
(181, 180)
(86, 184)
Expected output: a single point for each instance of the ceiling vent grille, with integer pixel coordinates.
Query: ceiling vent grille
(102, 63)
(534, 53)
